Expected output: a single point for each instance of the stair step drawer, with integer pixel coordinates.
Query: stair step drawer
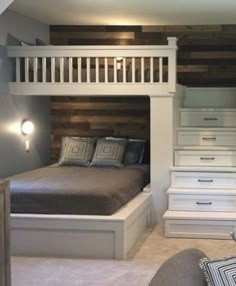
(203, 180)
(206, 138)
(196, 228)
(202, 203)
(205, 158)
(207, 118)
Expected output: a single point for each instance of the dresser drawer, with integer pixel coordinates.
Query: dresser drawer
(206, 138)
(207, 118)
(203, 180)
(202, 203)
(205, 158)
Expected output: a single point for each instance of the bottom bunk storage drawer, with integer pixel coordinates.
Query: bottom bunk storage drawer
(205, 158)
(214, 229)
(202, 203)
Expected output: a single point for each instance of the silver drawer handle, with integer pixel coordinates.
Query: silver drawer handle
(199, 203)
(210, 118)
(205, 181)
(207, 158)
(208, 138)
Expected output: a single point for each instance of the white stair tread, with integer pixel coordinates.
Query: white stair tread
(208, 109)
(213, 129)
(198, 191)
(191, 215)
(202, 169)
(208, 148)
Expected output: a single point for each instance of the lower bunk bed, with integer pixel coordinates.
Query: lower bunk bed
(93, 213)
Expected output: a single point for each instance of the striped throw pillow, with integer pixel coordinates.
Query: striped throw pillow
(219, 272)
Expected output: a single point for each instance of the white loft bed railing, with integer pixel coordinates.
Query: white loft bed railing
(93, 70)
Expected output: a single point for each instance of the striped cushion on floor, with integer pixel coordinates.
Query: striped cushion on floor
(219, 272)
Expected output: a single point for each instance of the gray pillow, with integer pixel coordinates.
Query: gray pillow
(181, 270)
(77, 151)
(219, 272)
(134, 151)
(109, 152)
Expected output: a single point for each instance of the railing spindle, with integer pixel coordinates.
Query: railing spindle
(97, 70)
(27, 69)
(124, 70)
(53, 70)
(133, 70)
(160, 70)
(61, 70)
(79, 71)
(88, 70)
(151, 69)
(44, 70)
(70, 70)
(115, 70)
(18, 77)
(35, 68)
(142, 69)
(106, 70)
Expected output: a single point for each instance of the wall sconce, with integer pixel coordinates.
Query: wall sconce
(27, 128)
(119, 61)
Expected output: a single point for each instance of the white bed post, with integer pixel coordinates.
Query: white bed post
(161, 112)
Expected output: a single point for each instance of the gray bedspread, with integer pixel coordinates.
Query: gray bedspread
(76, 190)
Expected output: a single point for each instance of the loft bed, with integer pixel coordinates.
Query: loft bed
(93, 71)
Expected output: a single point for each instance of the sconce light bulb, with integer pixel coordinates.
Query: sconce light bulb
(27, 127)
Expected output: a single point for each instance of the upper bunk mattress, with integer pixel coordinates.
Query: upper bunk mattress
(76, 190)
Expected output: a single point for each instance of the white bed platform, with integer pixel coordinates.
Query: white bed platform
(106, 237)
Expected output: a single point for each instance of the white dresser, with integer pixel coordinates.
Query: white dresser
(202, 196)
(4, 235)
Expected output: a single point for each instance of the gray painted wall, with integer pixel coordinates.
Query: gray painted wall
(14, 109)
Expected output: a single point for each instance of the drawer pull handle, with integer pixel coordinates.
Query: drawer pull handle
(210, 118)
(205, 181)
(208, 138)
(199, 203)
(207, 158)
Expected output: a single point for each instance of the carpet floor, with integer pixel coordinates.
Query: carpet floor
(74, 272)
(143, 261)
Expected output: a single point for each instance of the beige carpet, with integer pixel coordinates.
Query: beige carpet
(154, 247)
(150, 252)
(73, 272)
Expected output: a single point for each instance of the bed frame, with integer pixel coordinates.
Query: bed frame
(96, 71)
(106, 237)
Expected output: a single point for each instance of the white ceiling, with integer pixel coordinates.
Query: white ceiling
(129, 12)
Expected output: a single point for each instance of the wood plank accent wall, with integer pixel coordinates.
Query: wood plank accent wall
(206, 56)
(98, 117)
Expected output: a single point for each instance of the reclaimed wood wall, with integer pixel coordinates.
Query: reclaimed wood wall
(99, 117)
(206, 57)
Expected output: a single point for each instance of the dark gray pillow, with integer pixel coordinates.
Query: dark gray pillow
(109, 152)
(219, 272)
(134, 151)
(181, 270)
(77, 151)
